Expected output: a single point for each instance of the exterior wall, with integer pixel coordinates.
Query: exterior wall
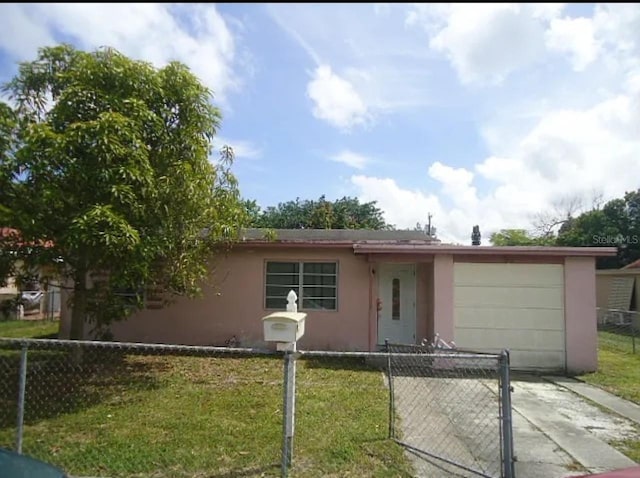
(580, 314)
(443, 323)
(603, 288)
(236, 305)
(604, 279)
(423, 283)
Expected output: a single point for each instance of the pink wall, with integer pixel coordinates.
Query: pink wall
(580, 314)
(236, 305)
(423, 304)
(443, 296)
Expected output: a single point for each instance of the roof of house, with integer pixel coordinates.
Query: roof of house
(337, 236)
(633, 265)
(363, 241)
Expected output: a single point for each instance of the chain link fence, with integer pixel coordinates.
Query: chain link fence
(114, 410)
(452, 409)
(107, 409)
(619, 330)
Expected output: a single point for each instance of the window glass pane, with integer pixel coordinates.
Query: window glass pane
(318, 280)
(319, 292)
(279, 290)
(395, 299)
(319, 268)
(276, 303)
(283, 267)
(319, 304)
(284, 279)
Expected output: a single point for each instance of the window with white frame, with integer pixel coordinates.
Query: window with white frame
(316, 284)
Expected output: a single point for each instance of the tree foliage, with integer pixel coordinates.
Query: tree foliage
(344, 213)
(614, 224)
(105, 167)
(518, 237)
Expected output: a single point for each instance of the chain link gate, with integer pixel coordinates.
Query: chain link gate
(451, 410)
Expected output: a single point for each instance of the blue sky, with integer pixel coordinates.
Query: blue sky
(479, 114)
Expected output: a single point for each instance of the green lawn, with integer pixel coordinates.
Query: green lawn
(618, 368)
(156, 416)
(29, 328)
(619, 373)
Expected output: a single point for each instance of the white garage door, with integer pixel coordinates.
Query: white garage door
(514, 306)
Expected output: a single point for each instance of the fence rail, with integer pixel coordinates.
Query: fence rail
(153, 410)
(619, 329)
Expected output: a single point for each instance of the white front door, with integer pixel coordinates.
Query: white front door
(397, 315)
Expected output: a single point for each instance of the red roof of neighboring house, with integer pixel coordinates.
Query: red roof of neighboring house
(11, 232)
(633, 265)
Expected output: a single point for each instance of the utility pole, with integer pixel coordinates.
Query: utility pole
(429, 215)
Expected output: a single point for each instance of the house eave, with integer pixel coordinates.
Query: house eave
(539, 251)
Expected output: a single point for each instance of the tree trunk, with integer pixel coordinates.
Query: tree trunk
(79, 304)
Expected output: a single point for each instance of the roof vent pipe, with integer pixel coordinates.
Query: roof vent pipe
(475, 236)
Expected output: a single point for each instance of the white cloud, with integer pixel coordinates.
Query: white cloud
(351, 159)
(336, 100)
(456, 182)
(568, 153)
(574, 36)
(241, 148)
(486, 42)
(195, 34)
(402, 207)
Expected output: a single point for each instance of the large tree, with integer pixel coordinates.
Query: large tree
(105, 167)
(616, 224)
(344, 213)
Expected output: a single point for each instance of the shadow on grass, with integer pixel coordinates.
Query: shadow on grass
(334, 363)
(62, 381)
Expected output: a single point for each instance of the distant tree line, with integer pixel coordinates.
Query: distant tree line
(614, 224)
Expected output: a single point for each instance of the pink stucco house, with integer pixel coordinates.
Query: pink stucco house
(362, 287)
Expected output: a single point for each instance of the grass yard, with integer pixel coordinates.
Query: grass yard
(618, 368)
(29, 328)
(619, 373)
(118, 414)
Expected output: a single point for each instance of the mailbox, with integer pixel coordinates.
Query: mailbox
(284, 326)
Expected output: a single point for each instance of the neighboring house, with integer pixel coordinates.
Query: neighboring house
(362, 287)
(619, 288)
(37, 299)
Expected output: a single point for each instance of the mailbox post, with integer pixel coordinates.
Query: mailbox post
(285, 328)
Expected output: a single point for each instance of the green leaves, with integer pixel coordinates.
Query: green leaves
(345, 213)
(108, 159)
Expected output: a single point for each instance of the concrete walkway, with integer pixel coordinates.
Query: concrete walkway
(622, 407)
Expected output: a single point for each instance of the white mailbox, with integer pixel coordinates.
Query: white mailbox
(284, 326)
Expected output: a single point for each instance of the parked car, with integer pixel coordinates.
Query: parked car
(31, 299)
(14, 465)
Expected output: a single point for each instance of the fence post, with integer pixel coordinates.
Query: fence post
(507, 422)
(22, 385)
(391, 399)
(289, 410)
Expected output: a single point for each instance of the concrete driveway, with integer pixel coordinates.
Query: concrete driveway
(557, 433)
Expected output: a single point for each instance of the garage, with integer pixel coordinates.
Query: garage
(514, 306)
